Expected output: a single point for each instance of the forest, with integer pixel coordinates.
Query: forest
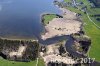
(8, 46)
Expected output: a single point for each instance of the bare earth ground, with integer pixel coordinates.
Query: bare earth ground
(19, 52)
(52, 55)
(62, 26)
(58, 27)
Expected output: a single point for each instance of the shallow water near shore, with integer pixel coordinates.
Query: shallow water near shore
(21, 18)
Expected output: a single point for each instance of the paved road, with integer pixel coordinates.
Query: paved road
(74, 2)
(92, 20)
(37, 61)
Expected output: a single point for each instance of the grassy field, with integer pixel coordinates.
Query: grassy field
(91, 30)
(12, 63)
(48, 17)
(67, 0)
(91, 11)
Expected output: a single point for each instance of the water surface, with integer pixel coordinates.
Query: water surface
(21, 18)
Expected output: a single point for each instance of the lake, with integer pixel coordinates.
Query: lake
(21, 18)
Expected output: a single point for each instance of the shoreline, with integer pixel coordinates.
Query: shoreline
(42, 20)
(19, 39)
(44, 14)
(65, 17)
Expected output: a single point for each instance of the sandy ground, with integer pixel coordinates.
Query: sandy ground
(19, 52)
(58, 27)
(52, 49)
(52, 55)
(62, 26)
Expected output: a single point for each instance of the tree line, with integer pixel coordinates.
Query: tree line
(7, 46)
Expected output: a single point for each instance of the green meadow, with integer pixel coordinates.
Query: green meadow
(13, 63)
(48, 17)
(91, 30)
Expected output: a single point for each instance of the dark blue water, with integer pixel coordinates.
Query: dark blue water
(21, 18)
